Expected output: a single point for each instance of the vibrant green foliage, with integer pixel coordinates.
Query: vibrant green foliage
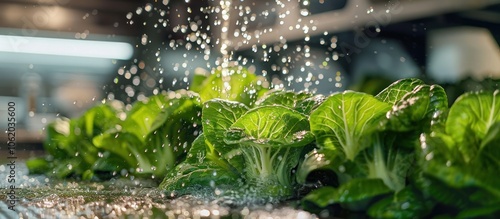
(403, 153)
(260, 145)
(69, 142)
(346, 121)
(362, 138)
(235, 84)
(147, 140)
(463, 158)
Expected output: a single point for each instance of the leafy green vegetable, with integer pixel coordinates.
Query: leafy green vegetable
(361, 137)
(345, 122)
(397, 90)
(153, 137)
(70, 142)
(271, 139)
(303, 102)
(406, 203)
(283, 98)
(357, 192)
(218, 115)
(235, 83)
(403, 153)
(470, 119)
(148, 140)
(259, 147)
(414, 104)
(201, 171)
(210, 154)
(462, 158)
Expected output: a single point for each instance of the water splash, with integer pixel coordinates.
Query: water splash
(225, 6)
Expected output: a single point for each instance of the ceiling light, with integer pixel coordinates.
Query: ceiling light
(66, 47)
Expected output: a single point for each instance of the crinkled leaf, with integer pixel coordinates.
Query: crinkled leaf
(438, 108)
(345, 121)
(168, 145)
(407, 112)
(303, 102)
(271, 126)
(271, 139)
(126, 145)
(306, 106)
(424, 108)
(100, 118)
(470, 118)
(285, 98)
(394, 92)
(218, 116)
(70, 141)
(173, 131)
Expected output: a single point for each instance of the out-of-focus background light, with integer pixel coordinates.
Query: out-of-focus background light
(66, 47)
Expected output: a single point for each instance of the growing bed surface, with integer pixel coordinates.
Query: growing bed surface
(41, 197)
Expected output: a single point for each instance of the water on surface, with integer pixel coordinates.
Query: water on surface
(41, 197)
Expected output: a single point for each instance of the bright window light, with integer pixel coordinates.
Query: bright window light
(66, 47)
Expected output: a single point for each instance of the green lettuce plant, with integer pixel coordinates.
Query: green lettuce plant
(69, 142)
(147, 140)
(460, 162)
(368, 142)
(254, 148)
(403, 153)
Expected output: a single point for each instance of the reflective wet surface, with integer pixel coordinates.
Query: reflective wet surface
(37, 196)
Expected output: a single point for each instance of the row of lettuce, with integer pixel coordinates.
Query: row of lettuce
(403, 153)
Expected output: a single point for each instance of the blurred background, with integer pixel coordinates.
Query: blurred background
(60, 57)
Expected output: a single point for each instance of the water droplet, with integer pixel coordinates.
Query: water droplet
(405, 205)
(148, 7)
(429, 156)
(129, 15)
(341, 168)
